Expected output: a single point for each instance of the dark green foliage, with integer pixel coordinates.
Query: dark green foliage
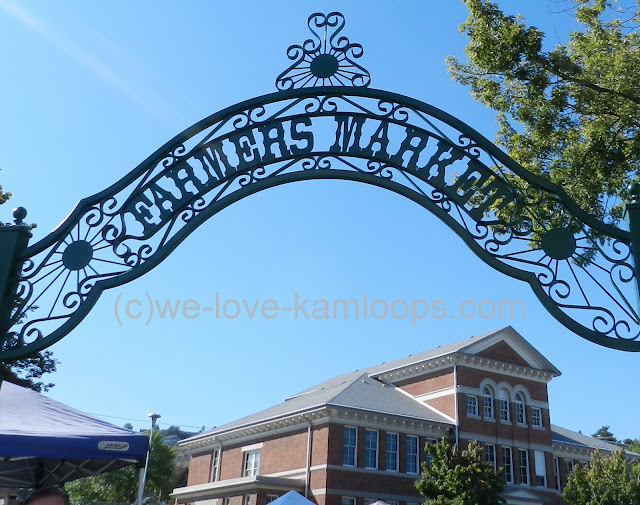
(121, 486)
(569, 113)
(604, 434)
(459, 477)
(607, 480)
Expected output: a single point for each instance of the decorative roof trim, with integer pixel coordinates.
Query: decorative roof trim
(443, 362)
(316, 417)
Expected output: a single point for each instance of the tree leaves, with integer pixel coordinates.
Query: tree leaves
(571, 113)
(457, 477)
(607, 480)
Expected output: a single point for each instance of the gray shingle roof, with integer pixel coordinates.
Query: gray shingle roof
(360, 390)
(357, 391)
(565, 436)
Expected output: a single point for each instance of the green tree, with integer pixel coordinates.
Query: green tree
(27, 371)
(459, 477)
(570, 113)
(121, 486)
(604, 434)
(607, 480)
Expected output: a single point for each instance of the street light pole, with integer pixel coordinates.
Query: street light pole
(143, 471)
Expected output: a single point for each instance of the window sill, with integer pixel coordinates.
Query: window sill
(520, 425)
(490, 419)
(473, 416)
(536, 427)
(507, 422)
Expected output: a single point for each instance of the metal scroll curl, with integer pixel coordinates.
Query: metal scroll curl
(580, 269)
(327, 59)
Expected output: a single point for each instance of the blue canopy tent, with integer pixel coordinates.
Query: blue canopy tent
(44, 442)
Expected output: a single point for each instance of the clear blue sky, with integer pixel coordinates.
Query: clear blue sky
(89, 90)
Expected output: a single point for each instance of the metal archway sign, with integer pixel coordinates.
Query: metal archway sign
(324, 122)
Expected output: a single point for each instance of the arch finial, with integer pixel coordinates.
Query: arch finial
(326, 59)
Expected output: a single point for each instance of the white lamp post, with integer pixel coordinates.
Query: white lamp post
(143, 471)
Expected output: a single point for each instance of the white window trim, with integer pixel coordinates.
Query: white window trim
(397, 469)
(556, 470)
(377, 459)
(528, 467)
(246, 472)
(510, 474)
(491, 397)
(537, 426)
(416, 456)
(215, 468)
(355, 447)
(494, 462)
(477, 414)
(524, 411)
(252, 447)
(539, 457)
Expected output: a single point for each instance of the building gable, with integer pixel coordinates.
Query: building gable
(502, 351)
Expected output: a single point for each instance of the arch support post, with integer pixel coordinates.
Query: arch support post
(14, 239)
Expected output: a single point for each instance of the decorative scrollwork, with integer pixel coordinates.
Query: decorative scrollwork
(326, 59)
(580, 268)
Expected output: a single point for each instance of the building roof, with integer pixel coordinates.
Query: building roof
(565, 436)
(355, 391)
(362, 390)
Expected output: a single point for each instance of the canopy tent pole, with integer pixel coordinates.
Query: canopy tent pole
(142, 477)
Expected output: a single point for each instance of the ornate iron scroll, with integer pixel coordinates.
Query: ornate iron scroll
(325, 60)
(527, 228)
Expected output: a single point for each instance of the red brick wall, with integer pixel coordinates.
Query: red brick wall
(199, 469)
(503, 352)
(428, 383)
(285, 453)
(472, 377)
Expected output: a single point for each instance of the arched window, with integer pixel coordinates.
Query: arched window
(504, 405)
(487, 402)
(520, 412)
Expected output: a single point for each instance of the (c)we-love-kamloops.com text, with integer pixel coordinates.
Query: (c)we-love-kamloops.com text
(365, 307)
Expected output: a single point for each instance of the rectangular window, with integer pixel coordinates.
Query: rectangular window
(272, 497)
(225, 501)
(520, 419)
(371, 449)
(536, 417)
(349, 446)
(472, 405)
(215, 464)
(541, 469)
(427, 458)
(412, 454)
(523, 463)
(568, 466)
(348, 500)
(504, 410)
(487, 403)
(251, 463)
(490, 455)
(392, 452)
(556, 473)
(507, 464)
(246, 500)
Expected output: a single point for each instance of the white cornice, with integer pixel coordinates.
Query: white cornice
(479, 362)
(415, 369)
(317, 417)
(502, 367)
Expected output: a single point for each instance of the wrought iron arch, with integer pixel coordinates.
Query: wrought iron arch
(580, 268)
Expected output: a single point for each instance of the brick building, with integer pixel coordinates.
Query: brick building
(359, 437)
